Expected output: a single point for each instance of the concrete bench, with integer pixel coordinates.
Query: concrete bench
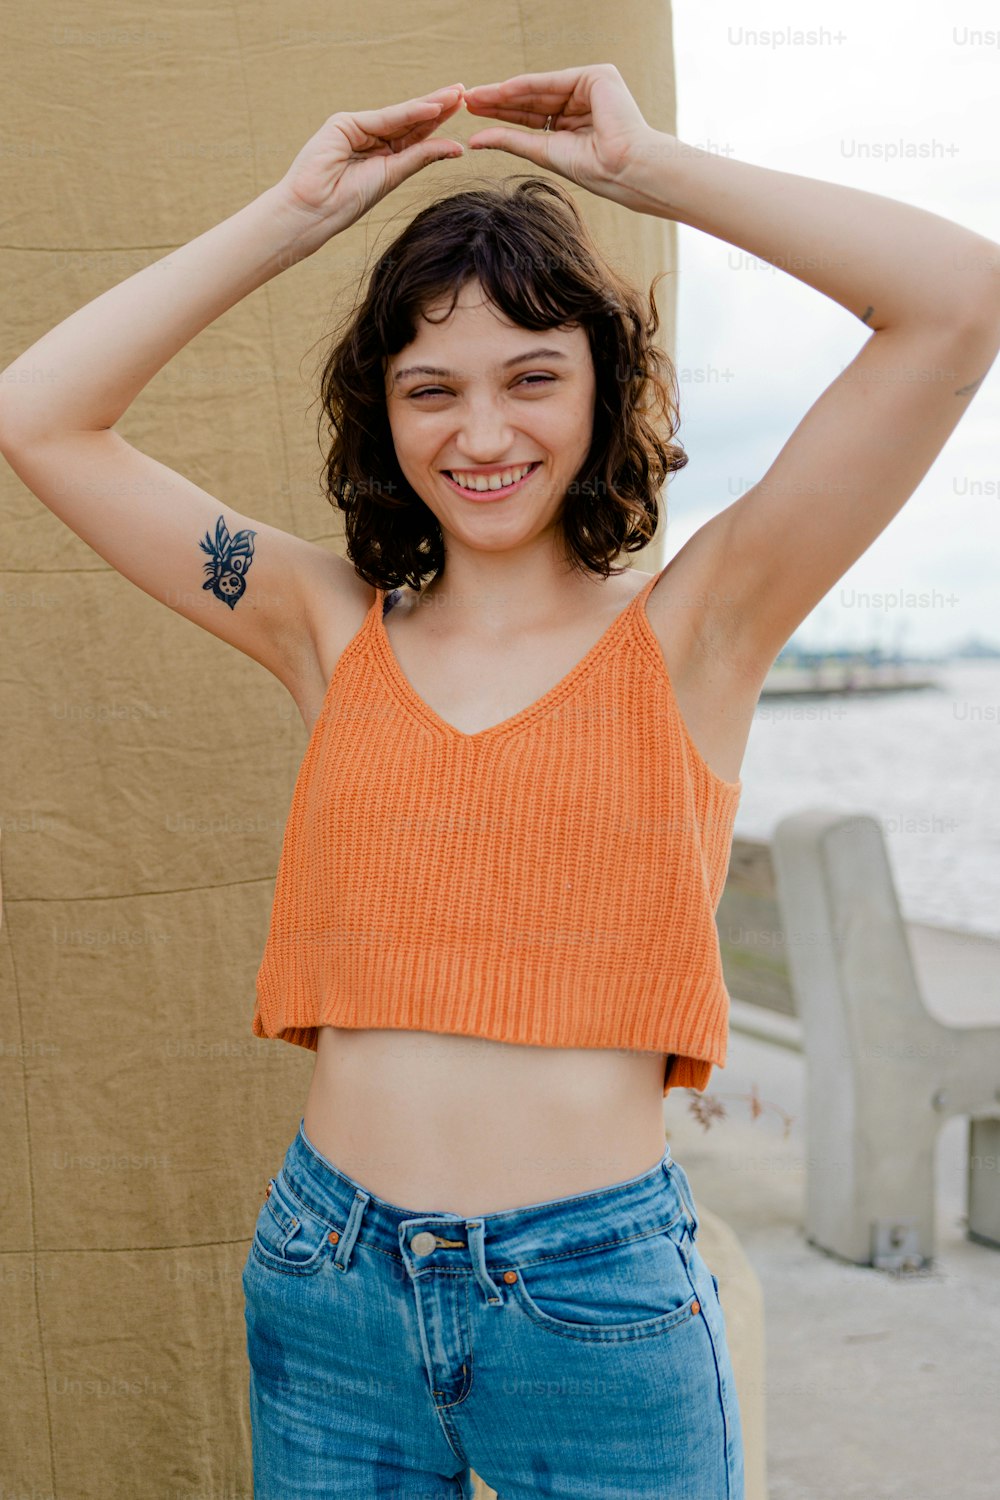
(883, 1074)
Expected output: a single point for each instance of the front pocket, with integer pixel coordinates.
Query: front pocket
(288, 1235)
(627, 1289)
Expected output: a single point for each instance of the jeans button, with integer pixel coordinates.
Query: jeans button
(423, 1243)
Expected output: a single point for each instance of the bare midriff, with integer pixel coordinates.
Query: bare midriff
(466, 1125)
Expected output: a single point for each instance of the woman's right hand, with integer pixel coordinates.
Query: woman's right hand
(355, 159)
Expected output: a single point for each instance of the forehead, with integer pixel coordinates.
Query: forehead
(477, 335)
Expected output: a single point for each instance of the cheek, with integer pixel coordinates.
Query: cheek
(571, 423)
(409, 454)
(416, 440)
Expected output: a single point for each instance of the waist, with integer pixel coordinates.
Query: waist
(478, 1125)
(645, 1202)
(439, 1072)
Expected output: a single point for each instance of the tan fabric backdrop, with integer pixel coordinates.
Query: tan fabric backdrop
(147, 768)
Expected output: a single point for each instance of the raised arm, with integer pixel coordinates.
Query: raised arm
(930, 291)
(150, 523)
(248, 583)
(928, 288)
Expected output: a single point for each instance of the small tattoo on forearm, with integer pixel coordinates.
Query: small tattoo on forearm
(867, 314)
(968, 390)
(230, 559)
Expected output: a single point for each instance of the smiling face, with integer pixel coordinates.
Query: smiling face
(491, 396)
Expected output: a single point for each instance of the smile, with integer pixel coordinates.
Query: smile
(491, 494)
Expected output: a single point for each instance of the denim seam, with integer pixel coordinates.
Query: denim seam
(607, 1333)
(630, 1239)
(275, 1200)
(450, 1435)
(727, 1427)
(687, 1197)
(270, 1262)
(295, 1191)
(466, 1366)
(540, 1260)
(281, 1215)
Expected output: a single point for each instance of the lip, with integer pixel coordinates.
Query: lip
(491, 494)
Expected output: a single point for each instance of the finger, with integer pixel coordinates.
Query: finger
(518, 142)
(526, 109)
(450, 100)
(533, 118)
(426, 127)
(561, 84)
(395, 119)
(450, 97)
(407, 163)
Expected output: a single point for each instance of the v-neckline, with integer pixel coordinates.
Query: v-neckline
(409, 695)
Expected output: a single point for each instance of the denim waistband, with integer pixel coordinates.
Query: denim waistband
(655, 1200)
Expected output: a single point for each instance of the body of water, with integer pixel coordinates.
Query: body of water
(925, 763)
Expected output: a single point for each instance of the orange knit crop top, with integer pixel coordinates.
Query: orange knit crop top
(551, 880)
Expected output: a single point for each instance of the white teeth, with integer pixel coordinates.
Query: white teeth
(491, 481)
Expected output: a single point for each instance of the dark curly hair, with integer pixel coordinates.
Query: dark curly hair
(536, 260)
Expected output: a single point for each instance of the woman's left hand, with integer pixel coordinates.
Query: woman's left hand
(596, 124)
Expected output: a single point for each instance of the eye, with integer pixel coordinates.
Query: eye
(436, 390)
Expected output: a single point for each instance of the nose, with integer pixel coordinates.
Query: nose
(485, 437)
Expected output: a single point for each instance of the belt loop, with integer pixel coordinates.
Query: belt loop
(474, 1229)
(346, 1243)
(678, 1173)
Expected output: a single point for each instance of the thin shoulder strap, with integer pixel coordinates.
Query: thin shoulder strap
(389, 599)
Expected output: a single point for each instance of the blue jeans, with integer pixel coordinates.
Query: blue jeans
(573, 1349)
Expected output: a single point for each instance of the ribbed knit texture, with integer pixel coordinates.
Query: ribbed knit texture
(552, 880)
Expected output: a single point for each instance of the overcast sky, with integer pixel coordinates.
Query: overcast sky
(893, 77)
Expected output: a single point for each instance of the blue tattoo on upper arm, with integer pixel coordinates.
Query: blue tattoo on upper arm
(230, 559)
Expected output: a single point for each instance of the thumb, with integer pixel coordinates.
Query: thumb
(524, 143)
(406, 163)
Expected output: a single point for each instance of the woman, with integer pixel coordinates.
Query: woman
(493, 913)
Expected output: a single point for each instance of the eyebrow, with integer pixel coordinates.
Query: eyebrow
(518, 359)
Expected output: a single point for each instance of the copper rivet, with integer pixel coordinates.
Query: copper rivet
(333, 1236)
(510, 1276)
(267, 1194)
(696, 1307)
